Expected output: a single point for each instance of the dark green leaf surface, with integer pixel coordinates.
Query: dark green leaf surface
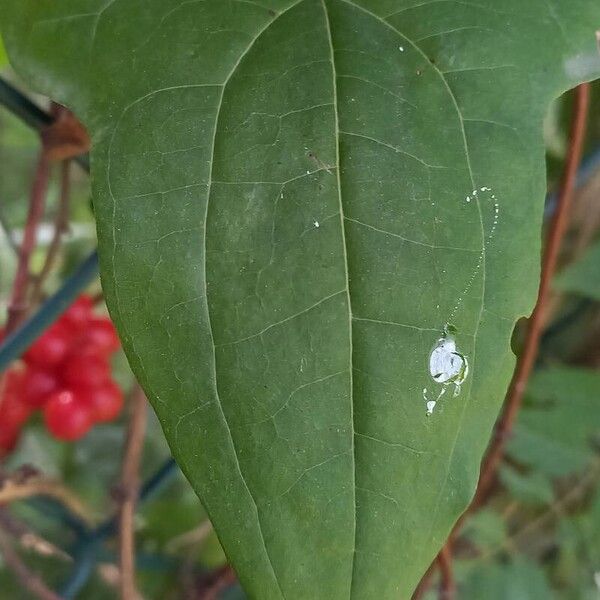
(281, 194)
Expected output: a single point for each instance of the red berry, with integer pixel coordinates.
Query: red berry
(9, 436)
(100, 336)
(50, 349)
(37, 386)
(13, 412)
(12, 382)
(66, 416)
(105, 401)
(86, 370)
(79, 313)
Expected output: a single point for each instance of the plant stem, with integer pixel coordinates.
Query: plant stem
(61, 225)
(448, 585)
(18, 301)
(12, 491)
(129, 490)
(87, 546)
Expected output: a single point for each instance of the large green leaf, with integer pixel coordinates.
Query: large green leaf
(281, 194)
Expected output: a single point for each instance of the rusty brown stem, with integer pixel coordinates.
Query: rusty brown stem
(61, 226)
(37, 201)
(129, 489)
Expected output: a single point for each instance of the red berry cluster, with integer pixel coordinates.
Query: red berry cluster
(66, 374)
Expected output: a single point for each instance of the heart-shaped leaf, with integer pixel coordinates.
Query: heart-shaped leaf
(297, 200)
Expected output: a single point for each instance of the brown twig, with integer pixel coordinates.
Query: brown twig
(64, 138)
(98, 298)
(18, 300)
(26, 482)
(536, 323)
(447, 584)
(129, 488)
(11, 491)
(190, 539)
(61, 226)
(30, 581)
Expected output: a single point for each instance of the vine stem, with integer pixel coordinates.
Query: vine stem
(18, 300)
(61, 226)
(15, 343)
(447, 585)
(535, 327)
(129, 490)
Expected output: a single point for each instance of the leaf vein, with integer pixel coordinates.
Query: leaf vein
(347, 273)
(285, 320)
(409, 240)
(391, 147)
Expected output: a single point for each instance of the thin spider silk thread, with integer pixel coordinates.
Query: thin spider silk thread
(486, 243)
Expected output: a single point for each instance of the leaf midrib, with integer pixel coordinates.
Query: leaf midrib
(346, 273)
